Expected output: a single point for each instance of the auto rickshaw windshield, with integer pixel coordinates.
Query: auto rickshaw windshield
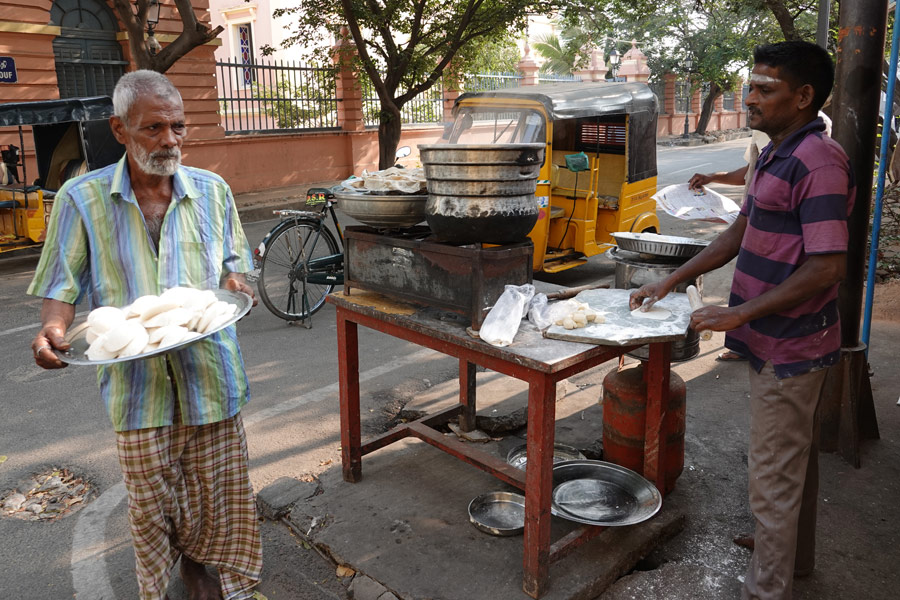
(497, 126)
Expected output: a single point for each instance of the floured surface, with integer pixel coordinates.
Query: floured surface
(620, 327)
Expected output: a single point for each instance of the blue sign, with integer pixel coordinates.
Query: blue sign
(8, 70)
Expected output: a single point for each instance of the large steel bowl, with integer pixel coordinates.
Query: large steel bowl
(595, 492)
(383, 210)
(482, 154)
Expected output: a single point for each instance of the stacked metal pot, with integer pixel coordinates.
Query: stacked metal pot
(481, 193)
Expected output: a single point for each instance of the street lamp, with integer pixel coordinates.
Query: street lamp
(153, 45)
(614, 62)
(688, 63)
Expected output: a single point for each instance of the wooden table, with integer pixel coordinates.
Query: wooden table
(540, 362)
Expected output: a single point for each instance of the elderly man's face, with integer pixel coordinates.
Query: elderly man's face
(772, 105)
(153, 134)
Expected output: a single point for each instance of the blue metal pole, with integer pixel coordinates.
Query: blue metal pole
(886, 119)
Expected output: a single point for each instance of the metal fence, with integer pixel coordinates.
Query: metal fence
(274, 96)
(427, 107)
(728, 100)
(490, 81)
(682, 96)
(556, 78)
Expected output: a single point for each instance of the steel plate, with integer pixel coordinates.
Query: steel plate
(498, 513)
(594, 492)
(517, 456)
(660, 245)
(75, 354)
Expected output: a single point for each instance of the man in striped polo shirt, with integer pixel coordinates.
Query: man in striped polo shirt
(790, 241)
(132, 229)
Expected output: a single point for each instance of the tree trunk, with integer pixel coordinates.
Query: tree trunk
(784, 18)
(389, 129)
(708, 103)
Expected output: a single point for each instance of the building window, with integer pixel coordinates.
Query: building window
(244, 37)
(88, 58)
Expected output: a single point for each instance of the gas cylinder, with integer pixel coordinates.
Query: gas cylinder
(625, 417)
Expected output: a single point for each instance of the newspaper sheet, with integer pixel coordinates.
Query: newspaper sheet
(707, 205)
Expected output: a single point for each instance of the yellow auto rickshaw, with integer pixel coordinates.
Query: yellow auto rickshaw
(71, 137)
(599, 170)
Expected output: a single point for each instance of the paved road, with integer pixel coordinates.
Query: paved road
(55, 419)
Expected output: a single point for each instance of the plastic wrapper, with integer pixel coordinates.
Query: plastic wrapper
(539, 311)
(502, 322)
(392, 179)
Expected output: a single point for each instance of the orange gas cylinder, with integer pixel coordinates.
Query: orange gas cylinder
(625, 416)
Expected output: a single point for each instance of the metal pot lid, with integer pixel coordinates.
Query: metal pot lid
(660, 245)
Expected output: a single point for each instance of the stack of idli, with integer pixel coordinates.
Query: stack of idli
(151, 323)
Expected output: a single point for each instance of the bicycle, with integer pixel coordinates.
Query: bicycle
(299, 262)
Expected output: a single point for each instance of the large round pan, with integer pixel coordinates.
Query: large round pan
(595, 492)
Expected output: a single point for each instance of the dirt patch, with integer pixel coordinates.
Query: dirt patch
(886, 303)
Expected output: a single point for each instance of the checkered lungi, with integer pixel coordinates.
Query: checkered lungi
(189, 493)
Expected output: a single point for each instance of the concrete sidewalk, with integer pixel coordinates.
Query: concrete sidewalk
(404, 530)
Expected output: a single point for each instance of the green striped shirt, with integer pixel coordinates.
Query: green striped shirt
(98, 246)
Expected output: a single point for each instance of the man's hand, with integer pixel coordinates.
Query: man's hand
(698, 180)
(56, 317)
(717, 318)
(651, 291)
(237, 282)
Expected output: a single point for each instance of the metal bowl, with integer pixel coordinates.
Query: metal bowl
(561, 452)
(482, 154)
(498, 513)
(383, 210)
(595, 492)
(660, 245)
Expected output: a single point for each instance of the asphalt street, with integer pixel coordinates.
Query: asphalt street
(54, 419)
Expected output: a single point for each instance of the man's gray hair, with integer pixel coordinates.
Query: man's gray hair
(136, 84)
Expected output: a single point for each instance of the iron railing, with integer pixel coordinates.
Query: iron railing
(490, 81)
(275, 96)
(682, 96)
(557, 78)
(427, 107)
(728, 100)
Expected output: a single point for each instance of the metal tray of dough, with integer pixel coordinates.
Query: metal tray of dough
(79, 345)
(595, 492)
(660, 245)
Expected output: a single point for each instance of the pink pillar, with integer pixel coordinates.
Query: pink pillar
(669, 101)
(350, 107)
(528, 69)
(450, 96)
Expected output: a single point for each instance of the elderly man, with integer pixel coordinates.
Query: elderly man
(136, 228)
(790, 241)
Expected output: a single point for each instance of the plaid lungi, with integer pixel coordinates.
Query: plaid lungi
(189, 493)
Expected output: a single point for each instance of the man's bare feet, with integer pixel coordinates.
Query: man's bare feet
(199, 583)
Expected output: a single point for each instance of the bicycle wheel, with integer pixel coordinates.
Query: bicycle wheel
(284, 275)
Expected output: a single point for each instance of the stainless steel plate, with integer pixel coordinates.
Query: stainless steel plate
(660, 245)
(498, 513)
(517, 456)
(601, 493)
(79, 345)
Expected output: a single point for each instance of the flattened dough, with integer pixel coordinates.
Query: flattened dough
(656, 313)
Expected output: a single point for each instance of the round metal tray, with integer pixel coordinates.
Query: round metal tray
(517, 456)
(383, 210)
(498, 513)
(79, 345)
(660, 245)
(601, 493)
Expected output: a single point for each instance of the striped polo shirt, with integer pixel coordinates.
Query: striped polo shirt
(797, 205)
(98, 247)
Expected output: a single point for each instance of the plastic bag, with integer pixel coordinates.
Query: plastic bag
(502, 322)
(539, 312)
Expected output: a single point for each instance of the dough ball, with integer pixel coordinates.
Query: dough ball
(568, 323)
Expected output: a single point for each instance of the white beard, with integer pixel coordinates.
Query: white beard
(162, 163)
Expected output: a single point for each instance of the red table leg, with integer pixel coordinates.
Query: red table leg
(467, 394)
(348, 377)
(656, 373)
(538, 484)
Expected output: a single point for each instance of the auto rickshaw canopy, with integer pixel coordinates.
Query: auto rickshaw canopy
(614, 101)
(47, 112)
